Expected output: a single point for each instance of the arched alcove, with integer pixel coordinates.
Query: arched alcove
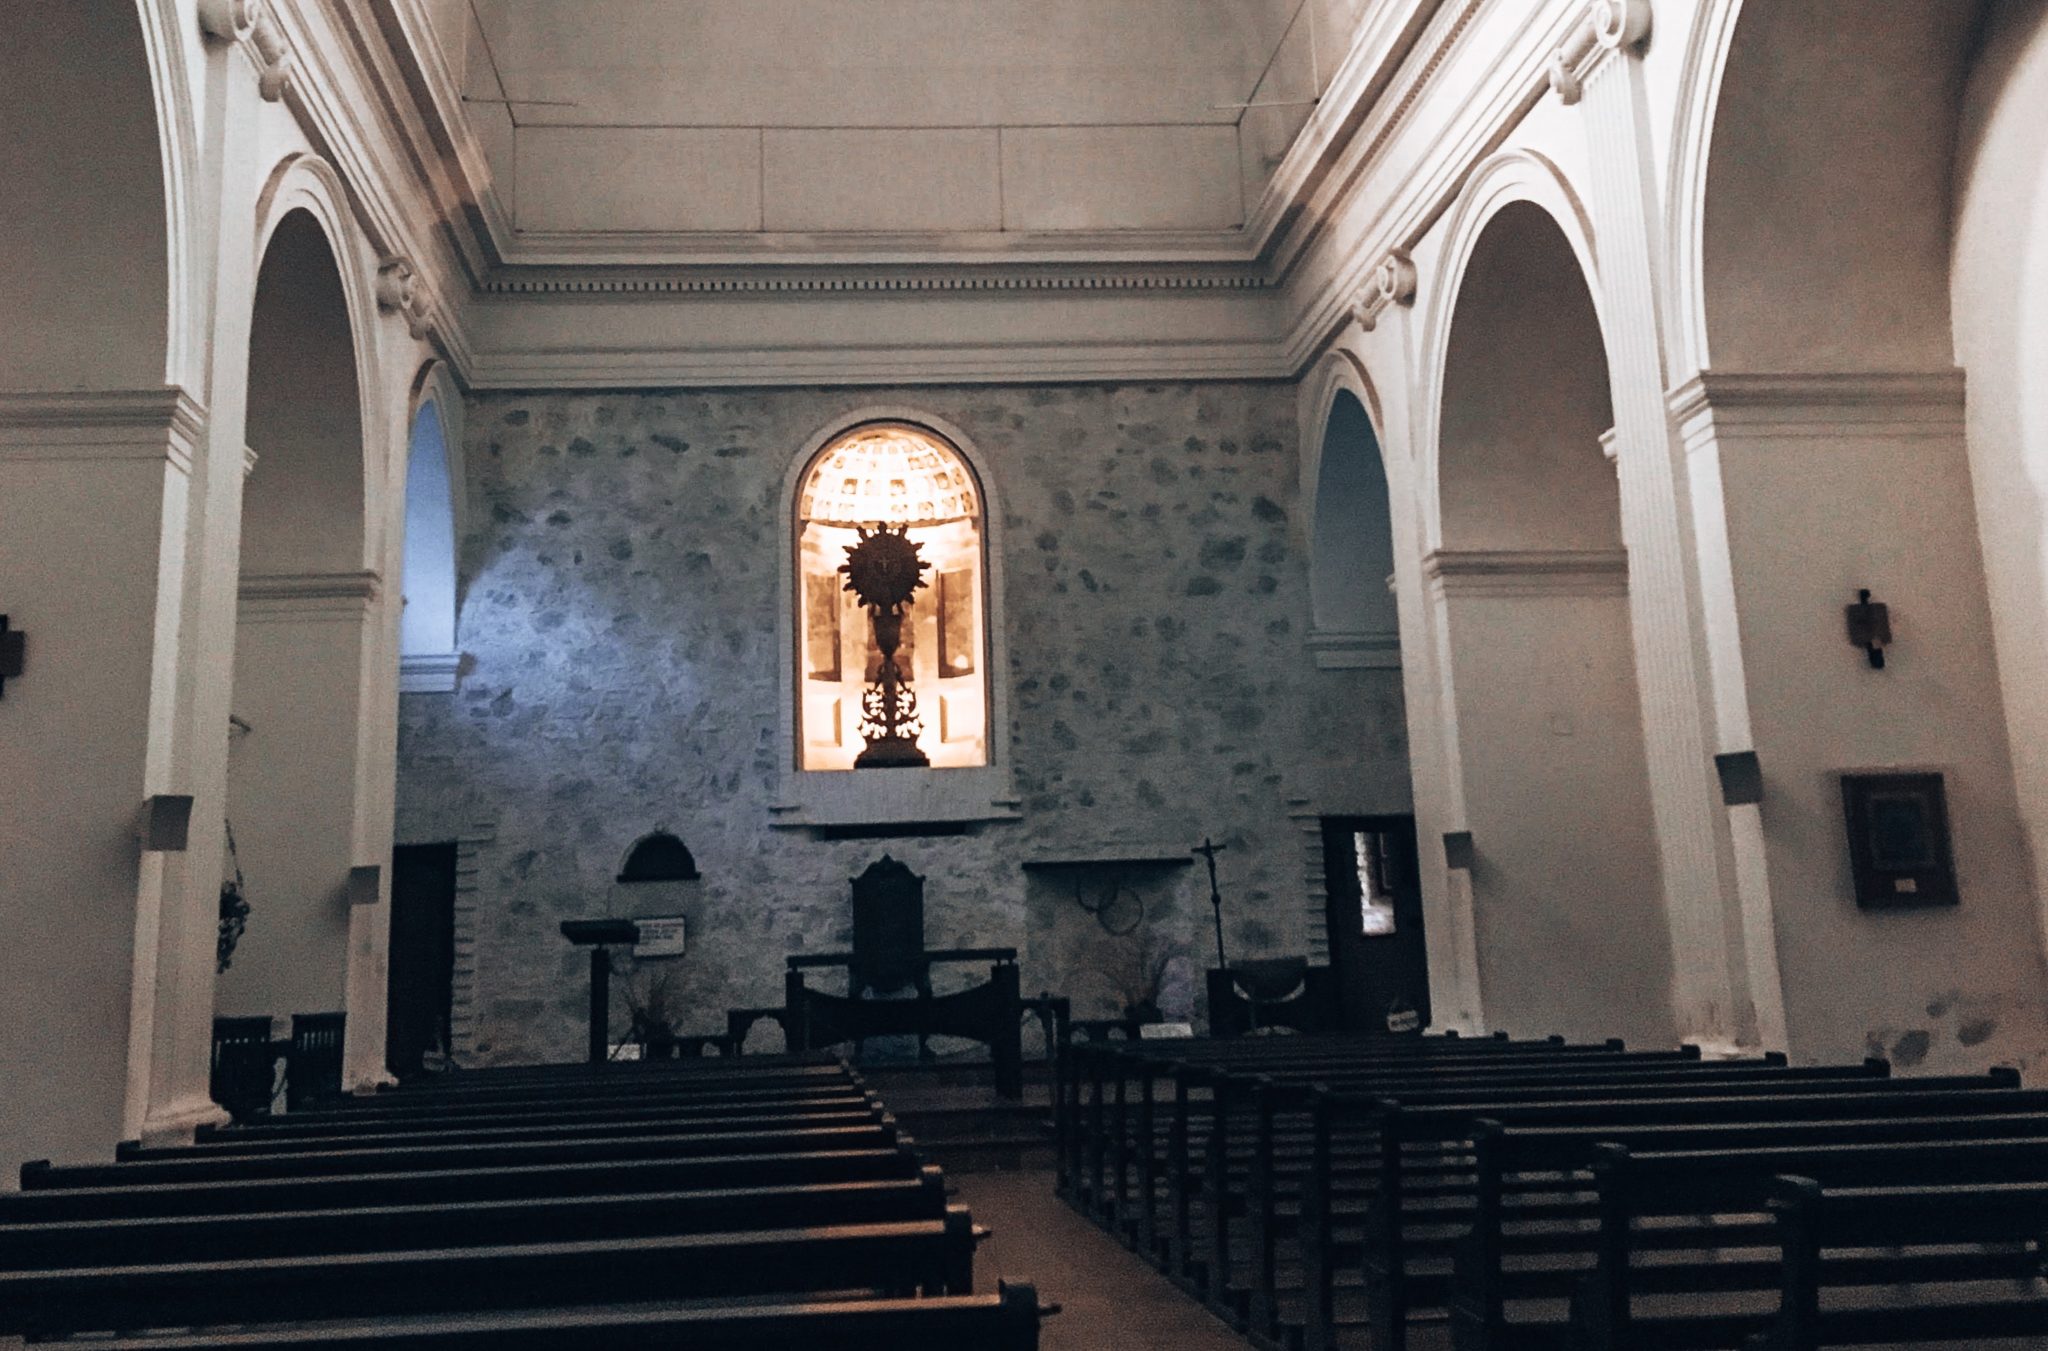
(302, 634)
(1351, 558)
(84, 258)
(1831, 147)
(427, 626)
(1533, 585)
(658, 856)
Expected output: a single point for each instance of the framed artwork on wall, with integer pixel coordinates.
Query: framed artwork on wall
(1899, 847)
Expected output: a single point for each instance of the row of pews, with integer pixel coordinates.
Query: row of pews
(1338, 1192)
(724, 1206)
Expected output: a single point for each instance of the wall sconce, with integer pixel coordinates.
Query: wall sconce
(13, 653)
(1870, 628)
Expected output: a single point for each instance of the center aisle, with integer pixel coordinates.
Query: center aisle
(1109, 1299)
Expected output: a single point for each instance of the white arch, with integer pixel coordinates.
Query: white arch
(1354, 619)
(1497, 183)
(1685, 190)
(306, 182)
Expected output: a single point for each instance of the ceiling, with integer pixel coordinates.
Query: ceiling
(798, 127)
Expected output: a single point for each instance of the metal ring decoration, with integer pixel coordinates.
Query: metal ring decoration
(1107, 906)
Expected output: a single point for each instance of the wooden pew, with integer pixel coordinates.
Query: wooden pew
(1259, 1159)
(1517, 1269)
(442, 1186)
(912, 1257)
(1954, 1261)
(1405, 1127)
(1006, 1321)
(678, 1142)
(103, 1241)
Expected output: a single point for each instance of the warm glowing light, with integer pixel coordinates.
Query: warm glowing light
(893, 475)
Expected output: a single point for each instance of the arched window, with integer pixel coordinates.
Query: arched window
(904, 477)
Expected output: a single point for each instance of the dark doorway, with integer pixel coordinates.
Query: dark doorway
(1375, 922)
(420, 995)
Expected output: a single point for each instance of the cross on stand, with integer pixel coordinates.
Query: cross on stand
(1209, 852)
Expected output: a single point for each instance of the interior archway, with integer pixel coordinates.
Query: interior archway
(301, 636)
(85, 285)
(427, 624)
(1351, 547)
(1533, 581)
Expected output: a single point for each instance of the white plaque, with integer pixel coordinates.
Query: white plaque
(661, 936)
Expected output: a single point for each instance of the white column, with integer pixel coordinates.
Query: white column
(94, 497)
(1724, 996)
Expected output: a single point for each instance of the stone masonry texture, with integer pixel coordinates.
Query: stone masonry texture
(621, 629)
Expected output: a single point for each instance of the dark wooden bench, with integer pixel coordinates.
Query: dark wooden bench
(913, 1257)
(678, 1142)
(448, 1185)
(1006, 1321)
(1397, 1280)
(1517, 1268)
(1997, 1225)
(102, 1241)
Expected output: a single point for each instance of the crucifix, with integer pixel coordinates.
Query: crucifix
(1209, 852)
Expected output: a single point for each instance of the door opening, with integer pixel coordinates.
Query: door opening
(420, 989)
(1374, 913)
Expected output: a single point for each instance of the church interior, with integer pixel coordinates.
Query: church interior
(1314, 674)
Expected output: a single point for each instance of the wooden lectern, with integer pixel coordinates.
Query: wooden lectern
(599, 935)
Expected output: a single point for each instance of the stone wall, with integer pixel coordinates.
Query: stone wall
(620, 626)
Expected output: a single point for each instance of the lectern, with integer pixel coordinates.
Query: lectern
(599, 935)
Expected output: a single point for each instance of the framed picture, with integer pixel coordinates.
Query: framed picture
(1899, 848)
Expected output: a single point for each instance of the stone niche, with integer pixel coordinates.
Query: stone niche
(621, 610)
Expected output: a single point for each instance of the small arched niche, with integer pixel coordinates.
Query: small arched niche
(898, 475)
(1351, 551)
(658, 856)
(427, 657)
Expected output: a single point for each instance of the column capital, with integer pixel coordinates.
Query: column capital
(112, 424)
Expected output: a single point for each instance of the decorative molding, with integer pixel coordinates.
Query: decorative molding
(117, 424)
(331, 596)
(399, 291)
(1391, 283)
(1506, 573)
(253, 25)
(1355, 649)
(428, 672)
(1607, 26)
(1829, 406)
(249, 458)
(1610, 445)
(850, 279)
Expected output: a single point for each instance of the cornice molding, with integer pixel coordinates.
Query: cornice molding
(1508, 573)
(863, 281)
(318, 596)
(1355, 649)
(118, 424)
(989, 364)
(1822, 406)
(1607, 27)
(428, 672)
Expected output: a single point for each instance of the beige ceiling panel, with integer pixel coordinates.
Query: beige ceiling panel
(1121, 178)
(629, 179)
(881, 179)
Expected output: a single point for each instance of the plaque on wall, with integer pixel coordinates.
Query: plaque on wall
(1899, 847)
(660, 936)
